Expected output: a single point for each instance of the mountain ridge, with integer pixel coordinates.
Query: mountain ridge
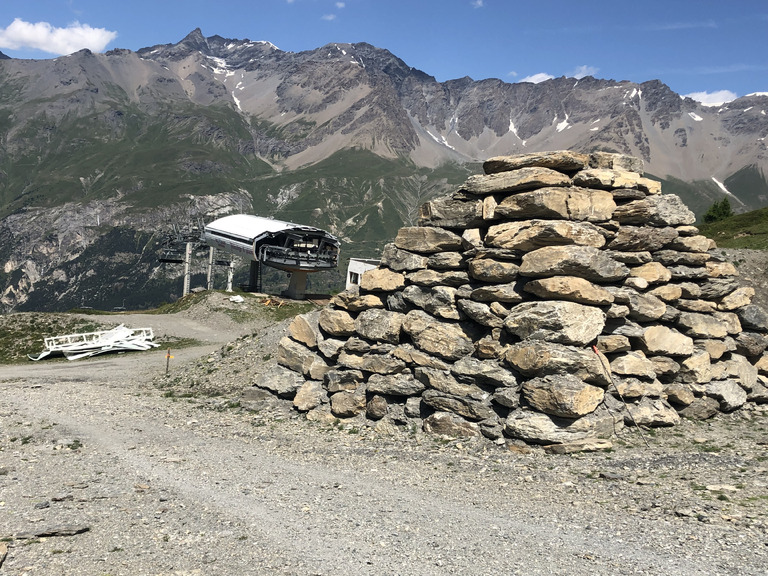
(347, 137)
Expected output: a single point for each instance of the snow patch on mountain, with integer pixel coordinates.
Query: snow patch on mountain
(440, 140)
(726, 191)
(513, 129)
(221, 66)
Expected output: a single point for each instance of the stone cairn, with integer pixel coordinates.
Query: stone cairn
(553, 299)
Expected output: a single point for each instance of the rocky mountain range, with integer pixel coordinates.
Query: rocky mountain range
(101, 153)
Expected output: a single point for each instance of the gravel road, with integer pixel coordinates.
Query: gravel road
(102, 472)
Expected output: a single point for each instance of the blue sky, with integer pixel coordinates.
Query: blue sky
(714, 51)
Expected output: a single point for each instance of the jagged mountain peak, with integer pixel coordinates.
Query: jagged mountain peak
(195, 40)
(214, 46)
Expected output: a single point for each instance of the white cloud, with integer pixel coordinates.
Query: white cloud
(582, 71)
(328, 17)
(477, 3)
(717, 98)
(42, 36)
(340, 5)
(512, 74)
(537, 78)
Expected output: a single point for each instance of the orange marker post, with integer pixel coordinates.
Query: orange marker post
(167, 360)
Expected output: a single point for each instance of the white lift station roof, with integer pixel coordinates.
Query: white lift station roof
(282, 245)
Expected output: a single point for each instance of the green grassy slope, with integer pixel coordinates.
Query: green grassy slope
(749, 230)
(152, 159)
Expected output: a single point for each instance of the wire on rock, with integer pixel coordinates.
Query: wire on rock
(607, 370)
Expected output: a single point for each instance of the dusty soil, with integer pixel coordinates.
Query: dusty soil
(107, 468)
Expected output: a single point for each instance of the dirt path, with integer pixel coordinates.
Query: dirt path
(165, 487)
(196, 486)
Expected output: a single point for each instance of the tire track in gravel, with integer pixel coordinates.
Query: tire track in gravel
(338, 516)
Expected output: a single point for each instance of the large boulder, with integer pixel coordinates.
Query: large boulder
(652, 272)
(439, 301)
(651, 412)
(539, 358)
(556, 321)
(701, 408)
(660, 210)
(338, 380)
(379, 325)
(491, 270)
(558, 203)
(665, 341)
(571, 288)
(451, 212)
(301, 359)
(633, 363)
(399, 260)
(395, 385)
(729, 393)
(529, 235)
(443, 339)
(737, 299)
(310, 396)
(486, 372)
(304, 329)
(561, 160)
(469, 408)
(640, 238)
(348, 404)
(444, 381)
(583, 261)
(438, 278)
(613, 161)
(480, 313)
(282, 381)
(645, 307)
(753, 317)
(381, 280)
(510, 293)
(612, 179)
(562, 395)
(527, 178)
(450, 425)
(336, 322)
(631, 388)
(427, 240)
(702, 325)
(538, 428)
(352, 301)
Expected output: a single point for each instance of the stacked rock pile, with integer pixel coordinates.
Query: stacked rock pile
(557, 297)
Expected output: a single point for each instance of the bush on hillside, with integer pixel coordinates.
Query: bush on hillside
(718, 211)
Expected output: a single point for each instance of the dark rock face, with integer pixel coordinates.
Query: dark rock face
(601, 338)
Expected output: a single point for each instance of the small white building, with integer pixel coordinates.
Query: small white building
(356, 268)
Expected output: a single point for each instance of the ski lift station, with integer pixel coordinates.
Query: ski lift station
(297, 249)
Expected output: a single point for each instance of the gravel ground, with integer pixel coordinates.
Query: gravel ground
(106, 469)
